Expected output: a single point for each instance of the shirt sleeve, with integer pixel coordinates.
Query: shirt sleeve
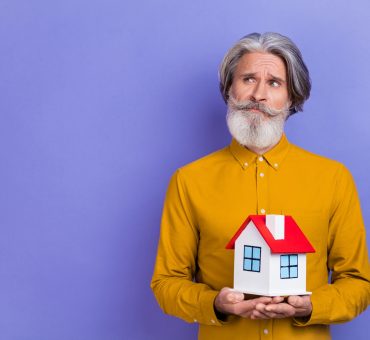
(173, 279)
(348, 294)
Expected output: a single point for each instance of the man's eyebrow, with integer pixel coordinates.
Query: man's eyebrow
(277, 78)
(248, 74)
(253, 74)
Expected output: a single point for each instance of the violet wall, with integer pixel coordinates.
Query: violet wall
(100, 101)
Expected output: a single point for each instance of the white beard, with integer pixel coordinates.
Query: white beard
(255, 130)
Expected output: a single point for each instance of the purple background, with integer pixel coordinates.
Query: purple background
(100, 101)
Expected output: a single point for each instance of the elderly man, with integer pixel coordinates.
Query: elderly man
(263, 79)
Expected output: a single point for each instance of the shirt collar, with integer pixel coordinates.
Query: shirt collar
(274, 157)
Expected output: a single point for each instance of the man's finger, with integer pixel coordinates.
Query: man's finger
(263, 299)
(277, 299)
(258, 315)
(300, 301)
(295, 301)
(234, 297)
(261, 309)
(282, 308)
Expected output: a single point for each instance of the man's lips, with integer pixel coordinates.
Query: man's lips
(255, 110)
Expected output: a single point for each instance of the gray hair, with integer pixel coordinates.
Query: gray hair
(299, 84)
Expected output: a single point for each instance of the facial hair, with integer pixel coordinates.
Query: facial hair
(255, 130)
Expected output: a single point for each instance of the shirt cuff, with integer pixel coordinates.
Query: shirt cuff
(318, 313)
(208, 314)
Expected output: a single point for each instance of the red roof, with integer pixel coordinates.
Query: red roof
(294, 242)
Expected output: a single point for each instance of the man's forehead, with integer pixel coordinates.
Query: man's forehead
(258, 61)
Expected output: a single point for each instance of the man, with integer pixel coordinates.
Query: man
(263, 80)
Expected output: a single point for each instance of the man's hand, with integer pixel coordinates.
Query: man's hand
(277, 309)
(231, 302)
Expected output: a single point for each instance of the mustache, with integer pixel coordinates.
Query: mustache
(247, 105)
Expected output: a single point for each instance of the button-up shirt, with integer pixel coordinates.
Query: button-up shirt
(208, 200)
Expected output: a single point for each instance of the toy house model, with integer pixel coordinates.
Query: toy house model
(270, 256)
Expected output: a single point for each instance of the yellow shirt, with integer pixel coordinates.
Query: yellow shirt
(206, 203)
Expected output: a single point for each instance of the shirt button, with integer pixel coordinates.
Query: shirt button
(266, 331)
(195, 320)
(262, 174)
(276, 165)
(260, 158)
(213, 321)
(263, 211)
(245, 164)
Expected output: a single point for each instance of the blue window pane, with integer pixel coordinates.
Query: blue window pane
(284, 260)
(247, 264)
(293, 260)
(256, 265)
(256, 253)
(247, 251)
(293, 272)
(284, 272)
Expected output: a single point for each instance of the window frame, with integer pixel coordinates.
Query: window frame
(291, 265)
(254, 259)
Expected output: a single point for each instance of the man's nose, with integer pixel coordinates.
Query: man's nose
(259, 92)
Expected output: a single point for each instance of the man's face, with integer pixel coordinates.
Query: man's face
(258, 101)
(261, 77)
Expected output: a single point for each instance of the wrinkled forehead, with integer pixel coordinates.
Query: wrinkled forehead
(261, 63)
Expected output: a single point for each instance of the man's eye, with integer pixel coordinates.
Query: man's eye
(274, 83)
(248, 80)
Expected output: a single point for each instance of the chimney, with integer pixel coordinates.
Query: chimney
(275, 223)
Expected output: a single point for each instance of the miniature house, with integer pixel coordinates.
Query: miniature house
(270, 256)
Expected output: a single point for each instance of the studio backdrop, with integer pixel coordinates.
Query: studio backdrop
(100, 102)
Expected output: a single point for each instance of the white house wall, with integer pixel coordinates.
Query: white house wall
(246, 281)
(294, 286)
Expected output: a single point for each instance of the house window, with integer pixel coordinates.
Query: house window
(288, 266)
(252, 259)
